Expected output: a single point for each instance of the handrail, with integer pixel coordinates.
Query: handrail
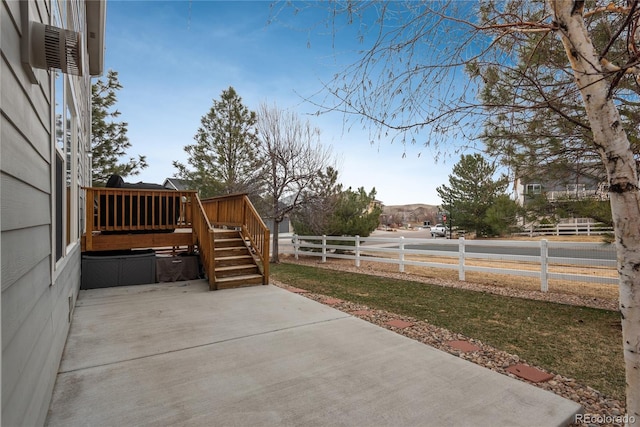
(203, 236)
(236, 210)
(258, 234)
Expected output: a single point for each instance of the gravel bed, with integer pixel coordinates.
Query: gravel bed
(593, 402)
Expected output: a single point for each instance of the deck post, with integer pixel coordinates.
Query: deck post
(89, 219)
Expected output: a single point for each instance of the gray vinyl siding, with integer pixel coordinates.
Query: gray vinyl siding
(36, 296)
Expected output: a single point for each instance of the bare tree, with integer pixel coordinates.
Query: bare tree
(409, 84)
(293, 157)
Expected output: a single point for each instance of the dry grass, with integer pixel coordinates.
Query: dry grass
(521, 282)
(503, 280)
(569, 287)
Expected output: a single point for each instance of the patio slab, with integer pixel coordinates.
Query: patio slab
(177, 354)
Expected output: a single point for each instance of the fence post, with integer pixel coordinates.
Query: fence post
(544, 274)
(401, 264)
(461, 259)
(296, 245)
(357, 251)
(324, 248)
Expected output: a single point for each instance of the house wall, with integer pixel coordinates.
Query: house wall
(558, 187)
(39, 286)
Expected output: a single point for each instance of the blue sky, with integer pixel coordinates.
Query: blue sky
(174, 58)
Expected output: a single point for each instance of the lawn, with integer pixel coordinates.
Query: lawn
(577, 342)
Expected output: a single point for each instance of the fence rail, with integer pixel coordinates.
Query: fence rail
(540, 259)
(572, 229)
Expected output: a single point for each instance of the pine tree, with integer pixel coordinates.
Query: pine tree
(312, 217)
(471, 192)
(355, 213)
(109, 140)
(224, 158)
(329, 210)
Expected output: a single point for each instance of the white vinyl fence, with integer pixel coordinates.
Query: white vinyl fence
(541, 259)
(570, 229)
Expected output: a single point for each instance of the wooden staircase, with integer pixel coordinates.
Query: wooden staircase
(232, 239)
(235, 266)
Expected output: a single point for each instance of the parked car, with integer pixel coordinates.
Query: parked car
(439, 230)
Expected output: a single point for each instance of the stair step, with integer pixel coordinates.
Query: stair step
(232, 242)
(238, 281)
(231, 251)
(237, 270)
(234, 260)
(226, 234)
(235, 267)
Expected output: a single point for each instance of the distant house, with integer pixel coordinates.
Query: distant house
(589, 182)
(45, 124)
(178, 184)
(374, 204)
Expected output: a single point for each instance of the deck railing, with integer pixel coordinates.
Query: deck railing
(128, 218)
(235, 210)
(130, 210)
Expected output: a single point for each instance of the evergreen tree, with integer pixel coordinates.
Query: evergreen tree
(332, 211)
(471, 192)
(312, 217)
(224, 158)
(536, 122)
(109, 140)
(501, 216)
(355, 213)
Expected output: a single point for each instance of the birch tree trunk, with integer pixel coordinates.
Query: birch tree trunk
(617, 156)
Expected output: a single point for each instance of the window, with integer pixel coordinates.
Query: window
(70, 101)
(533, 189)
(575, 188)
(67, 160)
(59, 212)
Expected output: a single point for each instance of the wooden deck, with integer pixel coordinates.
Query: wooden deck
(123, 219)
(110, 242)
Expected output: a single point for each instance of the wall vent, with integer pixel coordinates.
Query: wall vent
(54, 47)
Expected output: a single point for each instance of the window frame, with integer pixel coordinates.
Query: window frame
(533, 188)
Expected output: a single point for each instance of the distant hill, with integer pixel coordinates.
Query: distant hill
(412, 213)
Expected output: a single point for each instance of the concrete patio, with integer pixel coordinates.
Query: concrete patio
(177, 354)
